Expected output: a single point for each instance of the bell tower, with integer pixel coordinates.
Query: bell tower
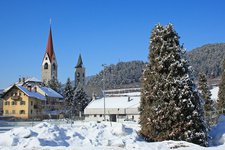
(49, 67)
(79, 73)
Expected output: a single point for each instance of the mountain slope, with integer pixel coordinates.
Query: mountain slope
(208, 58)
(121, 75)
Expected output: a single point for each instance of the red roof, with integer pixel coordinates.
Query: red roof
(49, 48)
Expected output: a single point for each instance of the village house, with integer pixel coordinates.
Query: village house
(28, 100)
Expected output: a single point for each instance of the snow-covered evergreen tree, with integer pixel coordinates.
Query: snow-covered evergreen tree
(206, 96)
(55, 85)
(68, 96)
(80, 101)
(170, 107)
(221, 93)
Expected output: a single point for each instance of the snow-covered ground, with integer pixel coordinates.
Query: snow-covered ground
(93, 135)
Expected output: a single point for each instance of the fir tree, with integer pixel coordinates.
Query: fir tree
(221, 93)
(170, 107)
(206, 95)
(55, 85)
(80, 101)
(68, 95)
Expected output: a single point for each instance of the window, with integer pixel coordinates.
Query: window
(31, 111)
(78, 74)
(46, 58)
(22, 102)
(7, 103)
(100, 115)
(46, 66)
(6, 112)
(13, 103)
(31, 103)
(22, 111)
(95, 115)
(13, 112)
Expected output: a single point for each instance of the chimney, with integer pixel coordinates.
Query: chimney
(19, 80)
(23, 79)
(35, 89)
(29, 87)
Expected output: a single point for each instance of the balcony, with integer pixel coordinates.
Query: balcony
(15, 97)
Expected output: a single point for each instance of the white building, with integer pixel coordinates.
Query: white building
(119, 106)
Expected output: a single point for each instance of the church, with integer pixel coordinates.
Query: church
(49, 67)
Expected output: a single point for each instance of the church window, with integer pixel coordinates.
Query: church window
(78, 74)
(46, 66)
(46, 58)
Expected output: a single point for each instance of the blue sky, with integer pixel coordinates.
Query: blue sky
(103, 31)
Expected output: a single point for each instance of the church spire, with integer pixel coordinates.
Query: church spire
(49, 63)
(49, 48)
(79, 62)
(79, 73)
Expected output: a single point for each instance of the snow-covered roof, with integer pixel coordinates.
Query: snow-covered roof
(214, 91)
(126, 94)
(6, 89)
(116, 102)
(50, 92)
(32, 79)
(31, 93)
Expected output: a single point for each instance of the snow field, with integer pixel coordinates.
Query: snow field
(93, 135)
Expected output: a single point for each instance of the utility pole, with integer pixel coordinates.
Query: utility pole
(104, 65)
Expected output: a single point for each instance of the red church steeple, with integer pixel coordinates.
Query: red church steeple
(49, 48)
(49, 65)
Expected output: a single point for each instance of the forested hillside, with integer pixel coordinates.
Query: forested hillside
(121, 75)
(208, 58)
